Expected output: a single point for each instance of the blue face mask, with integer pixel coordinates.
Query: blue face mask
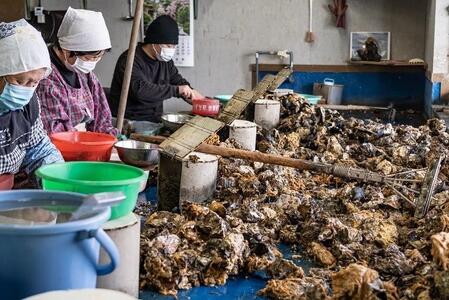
(15, 97)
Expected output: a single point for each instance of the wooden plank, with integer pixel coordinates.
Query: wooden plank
(280, 78)
(188, 137)
(263, 86)
(393, 63)
(236, 106)
(356, 68)
(11, 10)
(352, 107)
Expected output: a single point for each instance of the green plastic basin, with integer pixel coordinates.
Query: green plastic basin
(95, 177)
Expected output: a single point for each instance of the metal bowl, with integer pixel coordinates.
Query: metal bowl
(137, 153)
(174, 121)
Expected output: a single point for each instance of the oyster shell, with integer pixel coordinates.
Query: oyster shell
(362, 237)
(295, 289)
(360, 283)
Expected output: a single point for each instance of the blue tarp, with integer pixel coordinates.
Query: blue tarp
(242, 288)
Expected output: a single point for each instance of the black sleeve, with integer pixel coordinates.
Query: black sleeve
(175, 77)
(146, 91)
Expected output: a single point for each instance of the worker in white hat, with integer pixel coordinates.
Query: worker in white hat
(72, 97)
(24, 144)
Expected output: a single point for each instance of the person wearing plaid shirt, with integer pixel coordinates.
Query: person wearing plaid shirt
(24, 144)
(72, 97)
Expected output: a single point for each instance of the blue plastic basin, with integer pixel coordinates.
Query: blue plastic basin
(41, 258)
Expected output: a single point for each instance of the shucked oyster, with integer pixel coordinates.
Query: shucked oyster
(307, 288)
(361, 283)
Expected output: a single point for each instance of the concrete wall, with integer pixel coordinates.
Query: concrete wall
(227, 33)
(120, 30)
(441, 40)
(437, 50)
(430, 34)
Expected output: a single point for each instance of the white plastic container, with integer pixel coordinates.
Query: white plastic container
(125, 232)
(267, 113)
(244, 133)
(330, 91)
(198, 177)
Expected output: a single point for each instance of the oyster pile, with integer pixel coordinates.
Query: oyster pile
(362, 237)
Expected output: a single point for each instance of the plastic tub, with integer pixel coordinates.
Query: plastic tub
(41, 258)
(312, 99)
(6, 182)
(95, 177)
(84, 146)
(224, 99)
(205, 107)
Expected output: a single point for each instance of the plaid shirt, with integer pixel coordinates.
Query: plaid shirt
(24, 144)
(64, 107)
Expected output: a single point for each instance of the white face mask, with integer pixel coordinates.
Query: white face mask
(81, 65)
(166, 54)
(85, 66)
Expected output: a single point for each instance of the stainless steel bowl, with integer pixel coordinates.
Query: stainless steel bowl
(137, 153)
(174, 121)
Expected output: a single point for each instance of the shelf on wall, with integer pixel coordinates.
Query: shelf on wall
(389, 63)
(357, 67)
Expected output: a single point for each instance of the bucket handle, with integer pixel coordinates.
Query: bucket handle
(329, 81)
(108, 245)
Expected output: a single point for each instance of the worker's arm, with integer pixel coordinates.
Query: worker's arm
(184, 89)
(40, 150)
(175, 77)
(102, 118)
(53, 99)
(146, 91)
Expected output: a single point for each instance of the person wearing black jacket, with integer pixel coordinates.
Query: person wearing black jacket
(154, 76)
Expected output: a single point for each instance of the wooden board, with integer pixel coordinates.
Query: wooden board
(236, 106)
(393, 63)
(280, 78)
(11, 10)
(352, 68)
(263, 86)
(188, 137)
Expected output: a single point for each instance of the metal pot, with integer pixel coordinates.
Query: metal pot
(174, 121)
(137, 153)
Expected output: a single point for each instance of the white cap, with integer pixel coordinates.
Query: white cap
(83, 30)
(22, 49)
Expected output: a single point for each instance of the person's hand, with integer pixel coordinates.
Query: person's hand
(197, 95)
(185, 91)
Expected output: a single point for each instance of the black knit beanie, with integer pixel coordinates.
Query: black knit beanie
(163, 30)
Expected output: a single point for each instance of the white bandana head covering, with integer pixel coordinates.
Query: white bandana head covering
(83, 30)
(22, 49)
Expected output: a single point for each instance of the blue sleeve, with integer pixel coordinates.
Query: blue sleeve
(42, 154)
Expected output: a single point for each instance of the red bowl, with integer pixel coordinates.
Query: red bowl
(206, 107)
(6, 182)
(84, 146)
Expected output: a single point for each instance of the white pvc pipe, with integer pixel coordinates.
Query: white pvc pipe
(198, 177)
(244, 133)
(125, 232)
(267, 113)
